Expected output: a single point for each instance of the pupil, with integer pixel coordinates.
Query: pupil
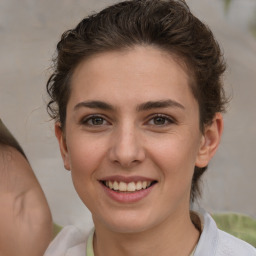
(97, 120)
(159, 120)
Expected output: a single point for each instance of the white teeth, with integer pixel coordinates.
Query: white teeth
(139, 185)
(123, 186)
(131, 187)
(128, 187)
(110, 185)
(115, 185)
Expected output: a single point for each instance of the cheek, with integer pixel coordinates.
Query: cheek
(85, 155)
(85, 159)
(175, 156)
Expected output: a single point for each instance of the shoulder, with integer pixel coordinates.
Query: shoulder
(70, 241)
(214, 242)
(230, 245)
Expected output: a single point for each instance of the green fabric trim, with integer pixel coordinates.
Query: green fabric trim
(56, 230)
(241, 226)
(89, 244)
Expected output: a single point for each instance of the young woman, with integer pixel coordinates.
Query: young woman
(137, 97)
(25, 218)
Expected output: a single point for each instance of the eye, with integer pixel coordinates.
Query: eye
(160, 120)
(94, 121)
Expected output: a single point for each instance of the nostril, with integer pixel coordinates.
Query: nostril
(126, 152)
(126, 164)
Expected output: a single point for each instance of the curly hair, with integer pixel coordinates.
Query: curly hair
(166, 24)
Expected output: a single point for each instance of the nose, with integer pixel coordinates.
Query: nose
(126, 147)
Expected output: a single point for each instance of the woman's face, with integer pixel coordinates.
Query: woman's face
(132, 138)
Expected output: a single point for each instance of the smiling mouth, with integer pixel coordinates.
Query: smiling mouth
(128, 187)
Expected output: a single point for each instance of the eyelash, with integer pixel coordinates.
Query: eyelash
(85, 121)
(163, 117)
(167, 120)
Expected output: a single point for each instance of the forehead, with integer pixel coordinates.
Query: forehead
(142, 72)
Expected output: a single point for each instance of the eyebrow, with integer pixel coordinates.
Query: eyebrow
(142, 107)
(94, 104)
(159, 104)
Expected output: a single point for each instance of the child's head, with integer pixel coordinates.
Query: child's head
(7, 139)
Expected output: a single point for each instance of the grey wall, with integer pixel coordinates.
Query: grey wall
(29, 30)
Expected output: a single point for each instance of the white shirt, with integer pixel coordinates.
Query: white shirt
(213, 242)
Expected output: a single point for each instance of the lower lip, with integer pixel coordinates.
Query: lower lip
(127, 197)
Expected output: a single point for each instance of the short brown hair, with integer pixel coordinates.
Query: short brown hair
(166, 24)
(7, 139)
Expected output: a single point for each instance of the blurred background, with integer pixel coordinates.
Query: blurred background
(29, 31)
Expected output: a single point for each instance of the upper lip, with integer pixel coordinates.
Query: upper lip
(126, 179)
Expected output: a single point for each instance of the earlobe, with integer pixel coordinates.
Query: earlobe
(62, 144)
(210, 141)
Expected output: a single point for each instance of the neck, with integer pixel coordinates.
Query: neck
(174, 236)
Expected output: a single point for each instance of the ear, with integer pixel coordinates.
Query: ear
(62, 144)
(210, 141)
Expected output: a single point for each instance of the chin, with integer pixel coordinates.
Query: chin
(127, 222)
(128, 228)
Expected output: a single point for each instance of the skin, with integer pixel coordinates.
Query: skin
(161, 143)
(25, 218)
